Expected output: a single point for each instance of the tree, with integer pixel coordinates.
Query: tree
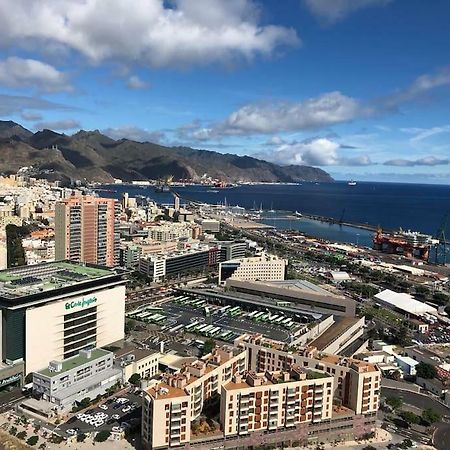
(209, 346)
(21, 435)
(33, 440)
(84, 403)
(13, 431)
(409, 417)
(102, 436)
(426, 371)
(429, 416)
(395, 375)
(394, 402)
(440, 298)
(369, 447)
(134, 379)
(407, 443)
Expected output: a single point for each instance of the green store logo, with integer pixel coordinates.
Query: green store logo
(83, 303)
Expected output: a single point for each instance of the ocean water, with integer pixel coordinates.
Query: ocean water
(417, 207)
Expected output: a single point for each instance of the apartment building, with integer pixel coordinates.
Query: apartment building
(271, 400)
(85, 230)
(356, 383)
(264, 387)
(178, 399)
(263, 268)
(133, 360)
(170, 231)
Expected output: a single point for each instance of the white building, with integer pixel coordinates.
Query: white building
(261, 268)
(52, 311)
(405, 303)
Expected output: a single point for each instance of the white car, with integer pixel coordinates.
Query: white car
(126, 409)
(115, 416)
(104, 407)
(70, 431)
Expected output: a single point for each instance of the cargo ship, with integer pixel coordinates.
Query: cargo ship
(411, 244)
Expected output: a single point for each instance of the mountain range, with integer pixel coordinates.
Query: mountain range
(93, 156)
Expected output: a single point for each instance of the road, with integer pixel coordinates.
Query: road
(441, 437)
(420, 401)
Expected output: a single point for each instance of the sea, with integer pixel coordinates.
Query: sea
(416, 207)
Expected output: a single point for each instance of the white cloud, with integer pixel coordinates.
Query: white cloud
(12, 104)
(152, 32)
(424, 133)
(31, 116)
(29, 73)
(327, 109)
(425, 161)
(334, 10)
(134, 133)
(314, 152)
(134, 82)
(59, 125)
(275, 140)
(419, 88)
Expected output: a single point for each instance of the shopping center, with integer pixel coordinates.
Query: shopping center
(51, 311)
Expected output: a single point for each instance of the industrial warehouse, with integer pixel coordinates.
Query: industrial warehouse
(68, 306)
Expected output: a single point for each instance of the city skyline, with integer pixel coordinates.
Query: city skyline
(358, 88)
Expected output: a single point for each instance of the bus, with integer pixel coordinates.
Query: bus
(177, 328)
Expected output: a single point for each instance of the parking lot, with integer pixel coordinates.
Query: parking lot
(185, 315)
(112, 415)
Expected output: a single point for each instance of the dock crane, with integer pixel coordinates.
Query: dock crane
(440, 256)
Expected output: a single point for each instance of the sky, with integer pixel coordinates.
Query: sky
(360, 88)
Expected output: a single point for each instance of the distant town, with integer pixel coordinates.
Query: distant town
(195, 326)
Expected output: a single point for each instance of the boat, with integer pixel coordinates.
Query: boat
(352, 183)
(298, 214)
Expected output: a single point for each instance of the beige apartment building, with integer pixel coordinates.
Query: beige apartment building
(263, 268)
(264, 387)
(356, 383)
(85, 230)
(271, 400)
(182, 396)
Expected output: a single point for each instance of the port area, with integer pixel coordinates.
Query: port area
(332, 221)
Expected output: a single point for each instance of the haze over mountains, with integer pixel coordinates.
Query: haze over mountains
(93, 156)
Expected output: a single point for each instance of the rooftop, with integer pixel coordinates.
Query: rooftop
(333, 332)
(74, 362)
(164, 391)
(24, 281)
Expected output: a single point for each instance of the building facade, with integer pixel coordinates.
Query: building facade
(159, 267)
(271, 400)
(89, 374)
(132, 360)
(262, 268)
(178, 399)
(85, 230)
(52, 311)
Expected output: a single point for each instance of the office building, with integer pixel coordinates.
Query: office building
(85, 230)
(262, 268)
(51, 311)
(159, 267)
(232, 249)
(88, 374)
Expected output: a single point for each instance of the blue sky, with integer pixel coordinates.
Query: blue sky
(360, 88)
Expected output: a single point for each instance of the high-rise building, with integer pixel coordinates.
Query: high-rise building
(85, 230)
